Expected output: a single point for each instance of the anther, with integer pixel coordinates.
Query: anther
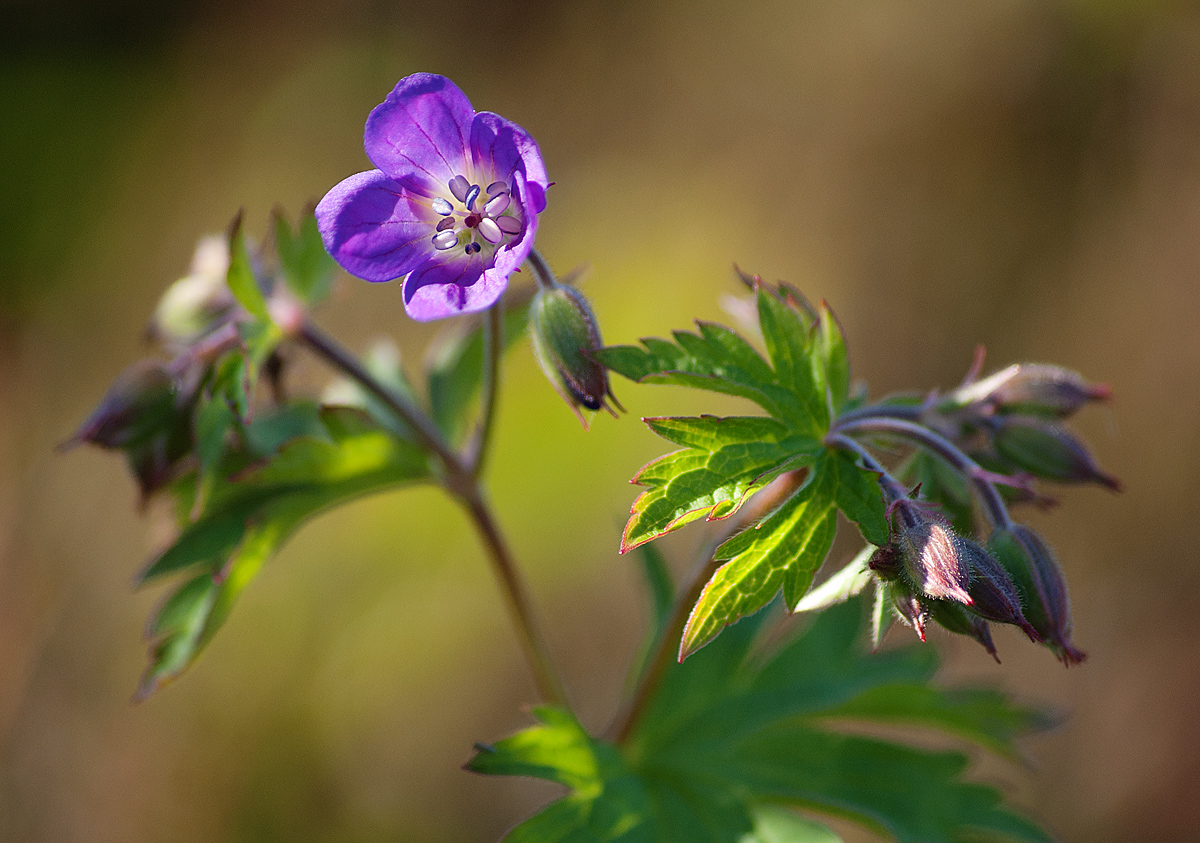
(490, 231)
(459, 187)
(445, 240)
(496, 206)
(472, 248)
(509, 225)
(472, 195)
(442, 206)
(445, 224)
(496, 188)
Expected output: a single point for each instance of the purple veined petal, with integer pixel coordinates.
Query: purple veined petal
(420, 134)
(373, 228)
(500, 148)
(450, 287)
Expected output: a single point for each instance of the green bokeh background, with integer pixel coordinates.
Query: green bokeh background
(1021, 173)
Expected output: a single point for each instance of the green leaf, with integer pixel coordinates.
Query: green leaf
(307, 268)
(738, 456)
(456, 367)
(253, 510)
(716, 360)
(858, 496)
(735, 738)
(831, 367)
(240, 276)
(782, 552)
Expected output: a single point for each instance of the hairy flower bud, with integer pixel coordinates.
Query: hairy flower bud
(147, 414)
(934, 556)
(1046, 450)
(1035, 388)
(1039, 579)
(994, 596)
(565, 334)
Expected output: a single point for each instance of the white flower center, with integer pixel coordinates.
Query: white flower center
(471, 214)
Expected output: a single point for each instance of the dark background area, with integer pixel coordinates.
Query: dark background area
(1018, 173)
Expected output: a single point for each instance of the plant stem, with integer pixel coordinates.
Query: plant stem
(493, 348)
(666, 645)
(412, 415)
(541, 271)
(893, 490)
(461, 480)
(516, 594)
(994, 504)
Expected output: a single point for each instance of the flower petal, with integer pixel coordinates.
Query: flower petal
(500, 147)
(451, 287)
(373, 228)
(419, 134)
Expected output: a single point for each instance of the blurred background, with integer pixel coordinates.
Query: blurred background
(1020, 173)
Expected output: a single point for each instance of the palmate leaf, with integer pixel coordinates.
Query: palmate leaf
(735, 740)
(727, 459)
(338, 454)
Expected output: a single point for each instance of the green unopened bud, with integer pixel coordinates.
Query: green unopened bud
(1038, 577)
(1035, 388)
(196, 303)
(994, 596)
(565, 334)
(1046, 450)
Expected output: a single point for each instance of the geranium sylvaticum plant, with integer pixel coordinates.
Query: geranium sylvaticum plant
(732, 728)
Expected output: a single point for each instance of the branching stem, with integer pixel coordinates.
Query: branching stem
(940, 446)
(460, 478)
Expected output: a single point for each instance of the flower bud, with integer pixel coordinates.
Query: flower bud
(565, 334)
(1046, 450)
(196, 303)
(1035, 388)
(933, 555)
(994, 596)
(132, 410)
(1040, 582)
(913, 610)
(147, 414)
(958, 619)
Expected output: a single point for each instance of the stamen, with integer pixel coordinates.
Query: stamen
(459, 187)
(472, 195)
(509, 225)
(495, 207)
(472, 248)
(496, 188)
(445, 224)
(442, 206)
(445, 240)
(490, 231)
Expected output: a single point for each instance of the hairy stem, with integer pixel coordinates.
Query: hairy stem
(541, 271)
(493, 348)
(940, 446)
(461, 480)
(516, 595)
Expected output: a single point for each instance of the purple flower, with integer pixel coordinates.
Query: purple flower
(452, 208)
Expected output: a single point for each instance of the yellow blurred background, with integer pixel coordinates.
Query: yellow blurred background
(1022, 173)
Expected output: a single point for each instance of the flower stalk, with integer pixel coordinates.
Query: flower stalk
(460, 477)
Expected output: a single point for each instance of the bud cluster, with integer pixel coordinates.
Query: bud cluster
(993, 436)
